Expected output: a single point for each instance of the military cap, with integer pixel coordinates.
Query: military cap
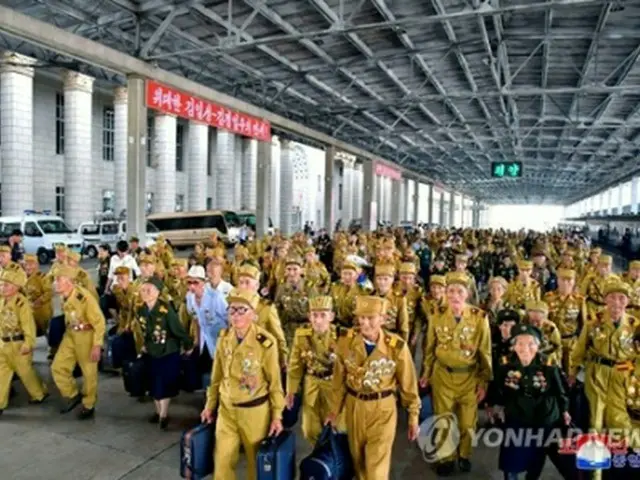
(122, 270)
(146, 258)
(438, 280)
(14, 274)
(155, 281)
(66, 271)
(507, 315)
(388, 243)
(293, 260)
(634, 264)
(248, 270)
(133, 238)
(595, 251)
(180, 262)
(462, 257)
(244, 296)
(367, 306)
(218, 253)
(74, 256)
(241, 249)
(566, 273)
(350, 266)
(408, 268)
(457, 278)
(5, 249)
(309, 250)
(525, 264)
(29, 257)
(60, 247)
(616, 285)
(523, 329)
(498, 280)
(605, 260)
(320, 303)
(537, 306)
(385, 269)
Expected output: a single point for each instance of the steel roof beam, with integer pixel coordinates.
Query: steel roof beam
(548, 22)
(157, 35)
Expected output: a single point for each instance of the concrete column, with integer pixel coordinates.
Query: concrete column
(452, 210)
(401, 200)
(329, 173)
(78, 159)
(249, 173)
(634, 195)
(406, 199)
(443, 219)
(137, 145)
(430, 207)
(396, 206)
(263, 186)
(237, 172)
(120, 110)
(16, 117)
(356, 193)
(286, 187)
(274, 179)
(369, 194)
(347, 189)
(164, 153)
(198, 138)
(416, 202)
(224, 168)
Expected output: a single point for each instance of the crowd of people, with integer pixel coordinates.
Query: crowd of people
(509, 322)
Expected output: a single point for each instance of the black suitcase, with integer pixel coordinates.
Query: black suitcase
(135, 375)
(330, 459)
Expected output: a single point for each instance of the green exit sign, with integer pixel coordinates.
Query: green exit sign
(506, 169)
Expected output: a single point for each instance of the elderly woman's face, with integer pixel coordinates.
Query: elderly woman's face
(149, 292)
(526, 347)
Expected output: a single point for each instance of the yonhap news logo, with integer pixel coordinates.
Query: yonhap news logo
(439, 437)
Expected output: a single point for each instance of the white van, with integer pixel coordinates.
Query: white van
(109, 232)
(42, 231)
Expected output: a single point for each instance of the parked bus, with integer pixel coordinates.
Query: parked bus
(185, 229)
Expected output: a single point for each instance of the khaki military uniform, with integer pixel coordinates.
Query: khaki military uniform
(124, 301)
(292, 302)
(569, 315)
(413, 298)
(269, 320)
(518, 294)
(633, 397)
(318, 277)
(177, 289)
(551, 341)
(397, 317)
(457, 361)
(592, 288)
(85, 329)
(634, 300)
(83, 280)
(246, 387)
(344, 301)
(39, 290)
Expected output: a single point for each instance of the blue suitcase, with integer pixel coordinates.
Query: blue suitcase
(196, 451)
(123, 349)
(426, 409)
(106, 361)
(330, 459)
(276, 458)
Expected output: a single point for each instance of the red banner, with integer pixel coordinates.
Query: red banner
(387, 171)
(169, 100)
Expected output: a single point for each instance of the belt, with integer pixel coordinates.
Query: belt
(81, 327)
(252, 403)
(322, 377)
(570, 335)
(634, 414)
(463, 369)
(370, 396)
(13, 338)
(612, 363)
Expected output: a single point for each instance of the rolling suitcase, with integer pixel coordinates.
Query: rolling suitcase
(190, 376)
(426, 409)
(56, 331)
(276, 458)
(196, 451)
(136, 377)
(330, 459)
(106, 361)
(123, 349)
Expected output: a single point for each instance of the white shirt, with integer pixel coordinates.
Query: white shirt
(223, 287)
(126, 261)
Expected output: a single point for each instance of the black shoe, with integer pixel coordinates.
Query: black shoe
(71, 404)
(445, 469)
(164, 423)
(155, 418)
(33, 401)
(86, 413)
(464, 465)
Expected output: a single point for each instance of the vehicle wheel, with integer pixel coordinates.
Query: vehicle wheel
(43, 257)
(91, 251)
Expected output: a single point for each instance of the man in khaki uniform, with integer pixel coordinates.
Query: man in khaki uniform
(5, 256)
(550, 340)
(458, 365)
(632, 278)
(124, 293)
(39, 290)
(177, 282)
(17, 337)
(312, 360)
(523, 289)
(461, 265)
(568, 310)
(344, 294)
(315, 273)
(397, 314)
(372, 365)
(408, 288)
(592, 286)
(267, 315)
(245, 386)
(83, 279)
(81, 344)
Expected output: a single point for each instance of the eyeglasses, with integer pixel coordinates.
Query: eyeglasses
(237, 310)
(193, 282)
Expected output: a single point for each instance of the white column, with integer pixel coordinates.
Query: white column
(249, 173)
(224, 167)
(356, 193)
(198, 138)
(263, 185)
(347, 176)
(274, 182)
(16, 117)
(634, 195)
(396, 204)
(237, 172)
(286, 187)
(78, 162)
(164, 152)
(369, 185)
(120, 118)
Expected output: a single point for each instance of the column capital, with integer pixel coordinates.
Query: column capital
(285, 143)
(16, 63)
(347, 159)
(78, 81)
(120, 95)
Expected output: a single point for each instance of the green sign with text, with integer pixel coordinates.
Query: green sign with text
(506, 169)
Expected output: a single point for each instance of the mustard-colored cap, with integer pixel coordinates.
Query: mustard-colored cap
(537, 306)
(634, 264)
(122, 270)
(309, 250)
(462, 257)
(294, 260)
(566, 273)
(457, 278)
(14, 274)
(525, 265)
(250, 271)
(5, 249)
(388, 243)
(241, 250)
(180, 262)
(408, 268)
(320, 303)
(66, 271)
(605, 260)
(244, 296)
(616, 285)
(499, 280)
(350, 266)
(61, 247)
(385, 269)
(74, 256)
(595, 251)
(146, 258)
(29, 257)
(368, 306)
(438, 280)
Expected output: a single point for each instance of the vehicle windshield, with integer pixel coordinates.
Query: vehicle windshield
(54, 227)
(151, 228)
(232, 220)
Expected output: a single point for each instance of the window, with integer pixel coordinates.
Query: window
(179, 202)
(108, 134)
(7, 228)
(108, 200)
(60, 201)
(209, 203)
(54, 227)
(149, 202)
(149, 142)
(197, 222)
(232, 219)
(179, 148)
(110, 228)
(59, 123)
(151, 228)
(91, 229)
(31, 230)
(340, 196)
